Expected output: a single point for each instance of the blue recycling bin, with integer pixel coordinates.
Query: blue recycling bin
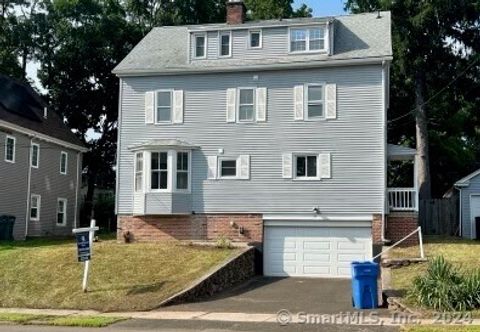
(364, 285)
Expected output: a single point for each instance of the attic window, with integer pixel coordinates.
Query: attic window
(200, 45)
(310, 39)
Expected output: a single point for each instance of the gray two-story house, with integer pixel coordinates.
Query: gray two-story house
(271, 132)
(40, 164)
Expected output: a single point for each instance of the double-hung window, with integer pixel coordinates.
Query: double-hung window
(139, 171)
(315, 101)
(255, 39)
(225, 44)
(182, 170)
(35, 155)
(307, 39)
(306, 167)
(159, 170)
(35, 207)
(246, 105)
(10, 149)
(61, 211)
(228, 168)
(63, 162)
(164, 106)
(200, 45)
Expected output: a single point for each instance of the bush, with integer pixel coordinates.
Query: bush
(445, 289)
(223, 242)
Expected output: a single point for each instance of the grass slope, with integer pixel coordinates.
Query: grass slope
(45, 274)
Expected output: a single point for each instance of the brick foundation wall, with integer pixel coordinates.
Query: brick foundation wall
(377, 229)
(199, 227)
(399, 225)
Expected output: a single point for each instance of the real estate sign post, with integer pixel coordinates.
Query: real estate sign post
(84, 238)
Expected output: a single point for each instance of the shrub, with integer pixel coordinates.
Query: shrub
(223, 242)
(445, 289)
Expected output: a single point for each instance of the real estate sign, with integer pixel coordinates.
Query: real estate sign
(83, 246)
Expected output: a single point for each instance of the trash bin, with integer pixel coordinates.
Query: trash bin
(364, 285)
(477, 228)
(6, 227)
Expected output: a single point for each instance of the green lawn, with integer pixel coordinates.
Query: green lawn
(442, 328)
(79, 321)
(45, 274)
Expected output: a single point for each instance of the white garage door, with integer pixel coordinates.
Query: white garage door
(314, 251)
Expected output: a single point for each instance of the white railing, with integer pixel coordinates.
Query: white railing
(402, 199)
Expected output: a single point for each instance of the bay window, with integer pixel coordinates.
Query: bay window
(182, 170)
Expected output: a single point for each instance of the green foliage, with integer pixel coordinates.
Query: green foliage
(223, 242)
(443, 288)
(275, 9)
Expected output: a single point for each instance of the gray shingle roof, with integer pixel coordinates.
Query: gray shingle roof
(164, 49)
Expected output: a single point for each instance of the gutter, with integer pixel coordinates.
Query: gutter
(263, 67)
(459, 188)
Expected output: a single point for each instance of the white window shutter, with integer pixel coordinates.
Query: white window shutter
(212, 167)
(243, 163)
(149, 107)
(261, 101)
(298, 101)
(287, 165)
(231, 104)
(178, 106)
(325, 165)
(331, 101)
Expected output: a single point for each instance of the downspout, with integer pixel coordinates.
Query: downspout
(29, 176)
(119, 124)
(75, 217)
(385, 107)
(460, 221)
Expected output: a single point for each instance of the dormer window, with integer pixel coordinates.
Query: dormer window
(225, 44)
(200, 45)
(255, 39)
(310, 39)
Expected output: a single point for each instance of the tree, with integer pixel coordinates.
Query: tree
(275, 9)
(425, 36)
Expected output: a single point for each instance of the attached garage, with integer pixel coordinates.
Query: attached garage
(322, 251)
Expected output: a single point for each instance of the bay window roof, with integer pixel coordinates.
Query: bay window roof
(159, 144)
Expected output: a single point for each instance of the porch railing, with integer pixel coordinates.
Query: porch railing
(402, 199)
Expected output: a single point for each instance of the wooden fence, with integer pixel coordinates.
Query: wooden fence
(439, 216)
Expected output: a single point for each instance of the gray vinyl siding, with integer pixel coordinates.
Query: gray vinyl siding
(472, 189)
(46, 181)
(355, 140)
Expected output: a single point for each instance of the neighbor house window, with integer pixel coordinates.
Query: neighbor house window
(35, 155)
(200, 45)
(139, 171)
(10, 149)
(228, 168)
(61, 211)
(255, 39)
(159, 170)
(315, 101)
(63, 162)
(182, 170)
(35, 207)
(225, 44)
(307, 39)
(306, 166)
(246, 104)
(164, 106)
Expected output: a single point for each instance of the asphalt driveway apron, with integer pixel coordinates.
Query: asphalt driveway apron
(270, 295)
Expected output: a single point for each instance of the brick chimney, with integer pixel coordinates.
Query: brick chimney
(236, 12)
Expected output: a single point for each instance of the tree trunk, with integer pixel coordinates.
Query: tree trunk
(424, 182)
(92, 177)
(24, 62)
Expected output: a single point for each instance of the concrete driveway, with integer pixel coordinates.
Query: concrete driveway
(269, 295)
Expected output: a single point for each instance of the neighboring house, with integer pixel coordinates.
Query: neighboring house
(469, 188)
(272, 132)
(39, 166)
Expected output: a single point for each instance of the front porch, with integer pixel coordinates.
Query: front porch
(402, 187)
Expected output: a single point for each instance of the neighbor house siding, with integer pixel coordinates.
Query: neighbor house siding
(355, 140)
(472, 189)
(45, 181)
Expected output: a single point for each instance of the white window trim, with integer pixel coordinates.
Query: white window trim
(38, 155)
(307, 39)
(220, 34)
(219, 168)
(64, 222)
(174, 175)
(294, 167)
(135, 170)
(305, 102)
(7, 137)
(260, 45)
(169, 171)
(156, 107)
(39, 200)
(237, 106)
(195, 35)
(66, 162)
